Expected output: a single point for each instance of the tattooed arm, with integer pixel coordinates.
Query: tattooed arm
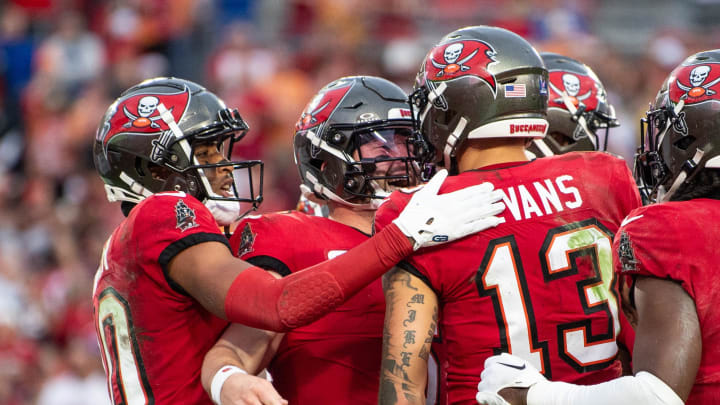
(411, 314)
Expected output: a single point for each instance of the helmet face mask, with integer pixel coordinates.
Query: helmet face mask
(650, 169)
(478, 82)
(354, 142)
(680, 149)
(579, 113)
(147, 140)
(381, 158)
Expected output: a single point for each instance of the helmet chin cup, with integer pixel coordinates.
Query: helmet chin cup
(225, 212)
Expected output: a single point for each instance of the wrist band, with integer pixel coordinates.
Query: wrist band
(219, 379)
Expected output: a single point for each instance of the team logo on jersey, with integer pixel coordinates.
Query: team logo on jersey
(247, 238)
(458, 59)
(581, 89)
(139, 114)
(626, 254)
(695, 83)
(185, 216)
(323, 104)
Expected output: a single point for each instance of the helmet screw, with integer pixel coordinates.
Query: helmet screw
(174, 158)
(337, 138)
(350, 183)
(177, 187)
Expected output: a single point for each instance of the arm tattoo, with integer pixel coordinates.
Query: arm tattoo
(405, 358)
(409, 338)
(410, 318)
(424, 353)
(406, 279)
(401, 354)
(417, 299)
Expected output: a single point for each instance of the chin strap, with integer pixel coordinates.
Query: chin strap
(224, 211)
(688, 167)
(542, 147)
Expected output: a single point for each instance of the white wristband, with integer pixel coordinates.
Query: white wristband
(219, 379)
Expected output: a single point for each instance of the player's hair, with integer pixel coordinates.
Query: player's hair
(705, 185)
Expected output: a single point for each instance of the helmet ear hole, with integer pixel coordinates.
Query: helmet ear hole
(560, 138)
(684, 142)
(139, 167)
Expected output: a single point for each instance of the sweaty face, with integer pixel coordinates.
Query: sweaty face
(388, 150)
(220, 178)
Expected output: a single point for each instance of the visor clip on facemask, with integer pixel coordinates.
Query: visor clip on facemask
(337, 138)
(354, 183)
(579, 112)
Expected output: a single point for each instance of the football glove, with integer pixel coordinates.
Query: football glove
(431, 218)
(507, 371)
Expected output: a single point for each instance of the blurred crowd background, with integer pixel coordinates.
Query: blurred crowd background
(62, 62)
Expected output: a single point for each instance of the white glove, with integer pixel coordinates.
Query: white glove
(431, 219)
(490, 398)
(507, 371)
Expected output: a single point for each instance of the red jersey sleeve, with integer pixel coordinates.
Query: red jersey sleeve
(165, 224)
(651, 243)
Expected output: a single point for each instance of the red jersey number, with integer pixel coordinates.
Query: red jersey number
(120, 351)
(501, 276)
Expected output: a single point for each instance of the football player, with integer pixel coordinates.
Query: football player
(665, 252)
(541, 284)
(168, 283)
(354, 143)
(579, 117)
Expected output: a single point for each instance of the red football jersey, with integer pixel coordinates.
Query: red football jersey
(540, 285)
(152, 334)
(679, 241)
(336, 359)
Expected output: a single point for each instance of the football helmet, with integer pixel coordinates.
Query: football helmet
(478, 82)
(147, 140)
(578, 110)
(681, 132)
(354, 142)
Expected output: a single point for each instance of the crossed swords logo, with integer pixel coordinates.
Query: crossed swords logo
(309, 118)
(146, 107)
(697, 77)
(451, 56)
(571, 83)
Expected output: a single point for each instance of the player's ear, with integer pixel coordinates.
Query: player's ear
(158, 172)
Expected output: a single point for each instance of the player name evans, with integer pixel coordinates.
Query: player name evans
(543, 197)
